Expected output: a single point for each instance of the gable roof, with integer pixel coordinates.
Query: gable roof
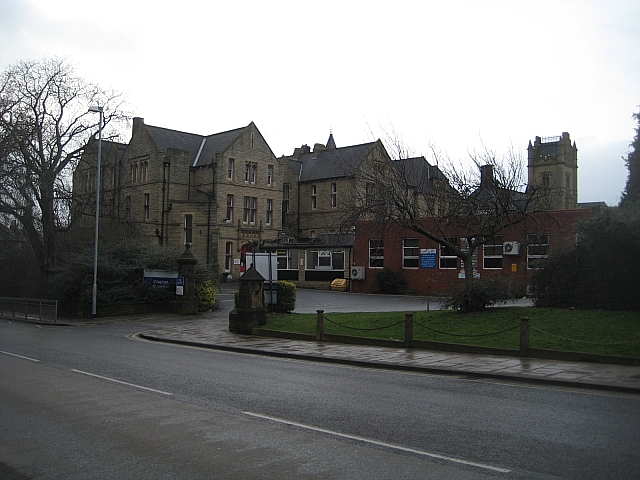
(330, 163)
(202, 149)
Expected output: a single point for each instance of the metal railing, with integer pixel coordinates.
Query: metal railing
(29, 309)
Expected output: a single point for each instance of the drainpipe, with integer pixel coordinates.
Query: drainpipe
(298, 206)
(213, 178)
(160, 233)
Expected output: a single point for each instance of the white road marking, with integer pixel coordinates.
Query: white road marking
(121, 382)
(20, 356)
(381, 444)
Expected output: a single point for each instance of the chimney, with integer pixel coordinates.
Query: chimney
(318, 147)
(136, 122)
(486, 175)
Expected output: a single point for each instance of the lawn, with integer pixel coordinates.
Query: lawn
(608, 333)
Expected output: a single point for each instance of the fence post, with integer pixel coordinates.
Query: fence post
(408, 329)
(25, 309)
(524, 336)
(319, 324)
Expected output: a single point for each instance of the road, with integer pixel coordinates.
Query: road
(93, 402)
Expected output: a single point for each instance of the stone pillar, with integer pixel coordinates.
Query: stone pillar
(250, 312)
(187, 304)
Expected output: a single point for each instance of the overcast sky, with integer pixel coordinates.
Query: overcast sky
(457, 74)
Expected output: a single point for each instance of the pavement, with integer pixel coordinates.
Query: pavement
(213, 333)
(210, 330)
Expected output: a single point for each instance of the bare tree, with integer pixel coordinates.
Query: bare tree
(44, 127)
(462, 209)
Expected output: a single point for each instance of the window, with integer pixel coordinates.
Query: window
(285, 198)
(146, 206)
(269, 174)
(250, 210)
(334, 195)
(229, 208)
(370, 193)
(144, 170)
(250, 172)
(269, 211)
(314, 198)
(134, 172)
(537, 250)
(376, 253)
(464, 246)
(567, 181)
(410, 253)
(228, 256)
(286, 260)
(127, 208)
(546, 179)
(325, 260)
(188, 229)
(448, 259)
(230, 166)
(492, 253)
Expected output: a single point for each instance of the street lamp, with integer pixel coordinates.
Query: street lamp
(95, 235)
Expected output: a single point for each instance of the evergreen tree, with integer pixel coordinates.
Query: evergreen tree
(632, 190)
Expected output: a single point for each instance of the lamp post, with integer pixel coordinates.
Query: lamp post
(100, 111)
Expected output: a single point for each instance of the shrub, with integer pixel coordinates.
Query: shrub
(601, 271)
(390, 282)
(475, 296)
(206, 293)
(286, 297)
(120, 274)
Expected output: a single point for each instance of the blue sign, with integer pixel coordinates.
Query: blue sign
(159, 278)
(428, 258)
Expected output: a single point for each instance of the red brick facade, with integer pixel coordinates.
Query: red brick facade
(431, 274)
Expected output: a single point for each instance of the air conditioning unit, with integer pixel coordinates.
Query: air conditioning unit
(512, 248)
(357, 273)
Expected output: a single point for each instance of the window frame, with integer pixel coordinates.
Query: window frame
(230, 168)
(489, 255)
(334, 195)
(230, 200)
(147, 205)
(314, 197)
(228, 257)
(269, 175)
(533, 241)
(188, 228)
(411, 253)
(376, 253)
(269, 215)
(446, 258)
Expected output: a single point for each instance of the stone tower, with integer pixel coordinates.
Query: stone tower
(553, 172)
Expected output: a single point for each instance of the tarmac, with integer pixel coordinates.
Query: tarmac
(211, 331)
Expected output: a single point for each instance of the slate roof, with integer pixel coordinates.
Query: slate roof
(330, 163)
(418, 172)
(199, 153)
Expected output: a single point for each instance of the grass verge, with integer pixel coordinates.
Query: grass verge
(607, 333)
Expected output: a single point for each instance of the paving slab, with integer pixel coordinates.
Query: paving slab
(214, 334)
